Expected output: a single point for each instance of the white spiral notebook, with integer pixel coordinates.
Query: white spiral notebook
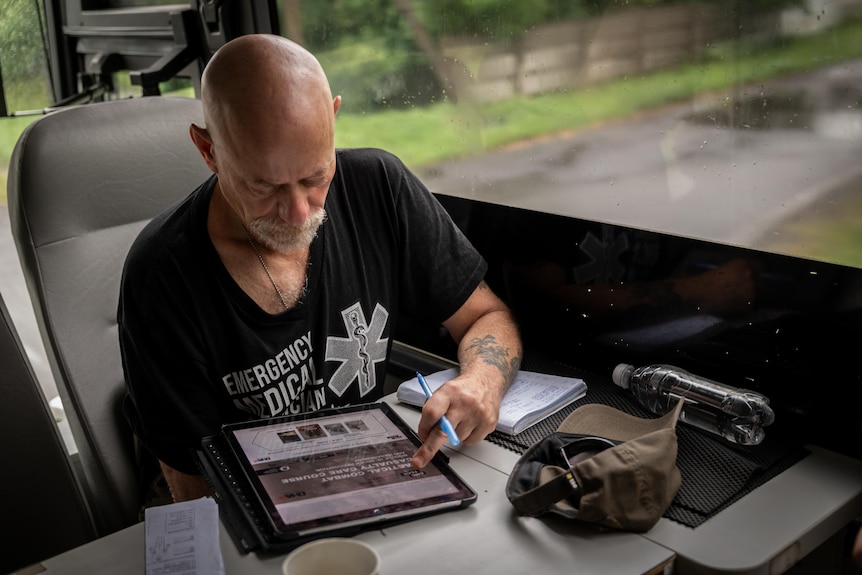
(531, 398)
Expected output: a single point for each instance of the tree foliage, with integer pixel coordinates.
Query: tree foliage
(22, 57)
(339, 21)
(369, 53)
(378, 54)
(331, 23)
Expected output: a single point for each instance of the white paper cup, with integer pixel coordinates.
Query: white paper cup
(332, 556)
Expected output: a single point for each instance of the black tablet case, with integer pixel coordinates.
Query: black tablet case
(244, 516)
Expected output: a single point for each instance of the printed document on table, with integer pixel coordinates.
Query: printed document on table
(183, 538)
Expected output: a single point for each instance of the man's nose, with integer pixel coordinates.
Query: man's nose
(293, 208)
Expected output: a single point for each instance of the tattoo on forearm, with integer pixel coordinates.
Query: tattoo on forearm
(661, 294)
(489, 351)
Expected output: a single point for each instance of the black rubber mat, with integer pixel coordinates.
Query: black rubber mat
(715, 473)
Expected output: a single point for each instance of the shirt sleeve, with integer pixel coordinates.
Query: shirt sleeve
(440, 268)
(170, 404)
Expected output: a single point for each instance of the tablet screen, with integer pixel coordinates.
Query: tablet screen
(340, 467)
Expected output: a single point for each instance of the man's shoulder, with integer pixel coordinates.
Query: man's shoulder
(371, 167)
(367, 157)
(168, 230)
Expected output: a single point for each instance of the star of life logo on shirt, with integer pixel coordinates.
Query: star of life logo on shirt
(360, 351)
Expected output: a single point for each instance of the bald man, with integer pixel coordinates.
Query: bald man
(274, 288)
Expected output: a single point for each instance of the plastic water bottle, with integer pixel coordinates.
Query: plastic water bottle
(738, 415)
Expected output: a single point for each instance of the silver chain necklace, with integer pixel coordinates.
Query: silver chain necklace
(260, 259)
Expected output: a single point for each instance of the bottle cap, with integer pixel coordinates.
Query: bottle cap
(622, 375)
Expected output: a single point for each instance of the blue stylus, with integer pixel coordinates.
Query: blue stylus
(444, 422)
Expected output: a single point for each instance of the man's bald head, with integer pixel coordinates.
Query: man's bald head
(260, 84)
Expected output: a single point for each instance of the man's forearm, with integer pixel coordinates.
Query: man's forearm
(184, 487)
(489, 353)
(491, 348)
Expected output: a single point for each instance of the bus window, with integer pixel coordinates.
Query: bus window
(73, 52)
(733, 122)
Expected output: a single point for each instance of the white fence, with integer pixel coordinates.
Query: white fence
(618, 44)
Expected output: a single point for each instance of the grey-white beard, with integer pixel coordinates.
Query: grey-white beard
(276, 235)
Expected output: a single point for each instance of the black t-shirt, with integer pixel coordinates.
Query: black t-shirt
(198, 352)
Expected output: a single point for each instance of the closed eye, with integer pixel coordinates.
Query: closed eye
(315, 182)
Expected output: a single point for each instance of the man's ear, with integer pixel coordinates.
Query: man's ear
(204, 143)
(336, 104)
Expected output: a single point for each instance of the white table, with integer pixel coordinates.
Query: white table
(487, 537)
(765, 532)
(771, 528)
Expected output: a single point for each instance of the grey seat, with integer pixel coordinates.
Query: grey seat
(44, 511)
(82, 183)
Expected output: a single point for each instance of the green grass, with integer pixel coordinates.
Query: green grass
(422, 136)
(831, 233)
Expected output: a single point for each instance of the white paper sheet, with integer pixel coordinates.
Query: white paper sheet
(183, 539)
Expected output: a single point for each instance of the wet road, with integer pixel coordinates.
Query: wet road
(727, 168)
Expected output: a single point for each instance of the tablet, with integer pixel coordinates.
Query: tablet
(340, 469)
